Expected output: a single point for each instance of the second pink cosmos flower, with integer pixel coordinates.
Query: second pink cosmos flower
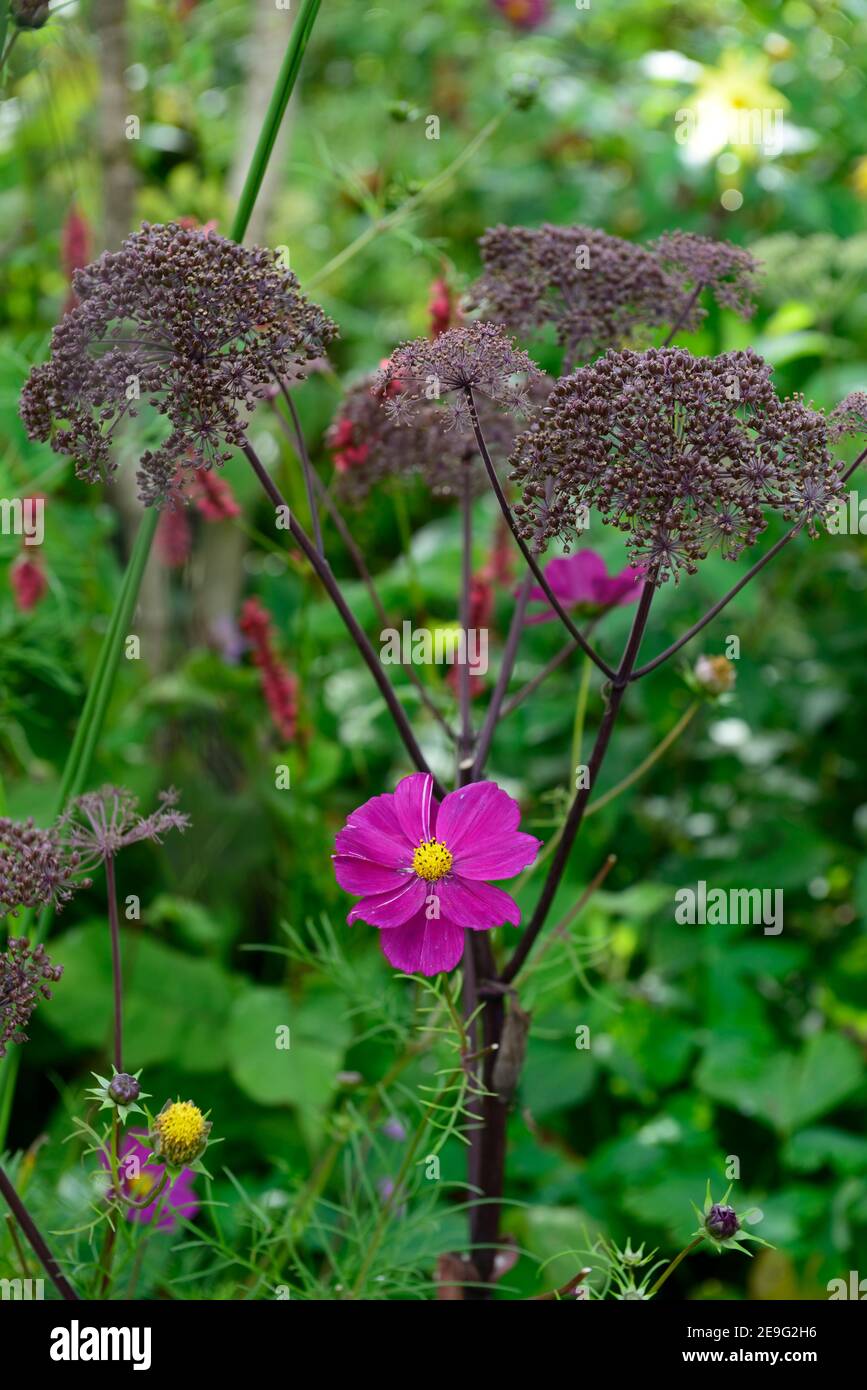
(421, 868)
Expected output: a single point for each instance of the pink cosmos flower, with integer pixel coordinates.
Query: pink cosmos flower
(420, 868)
(177, 1197)
(581, 580)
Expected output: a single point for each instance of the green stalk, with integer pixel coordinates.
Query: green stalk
(283, 88)
(77, 768)
(578, 726)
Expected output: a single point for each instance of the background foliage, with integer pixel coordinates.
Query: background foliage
(707, 1041)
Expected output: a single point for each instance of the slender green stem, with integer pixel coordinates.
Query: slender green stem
(392, 219)
(673, 1266)
(401, 514)
(283, 88)
(388, 1206)
(9, 47)
(116, 968)
(106, 1259)
(578, 726)
(645, 766)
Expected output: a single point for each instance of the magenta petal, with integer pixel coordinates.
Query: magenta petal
(624, 587)
(574, 578)
(360, 876)
(375, 823)
(415, 806)
(362, 843)
(476, 905)
(500, 856)
(474, 813)
(391, 909)
(423, 947)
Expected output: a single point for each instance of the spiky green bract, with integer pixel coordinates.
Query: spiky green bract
(102, 1092)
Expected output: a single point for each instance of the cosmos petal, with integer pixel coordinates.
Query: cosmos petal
(415, 806)
(500, 856)
(480, 810)
(391, 909)
(423, 947)
(479, 906)
(362, 877)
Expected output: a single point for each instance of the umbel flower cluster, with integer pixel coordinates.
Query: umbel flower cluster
(684, 454)
(599, 291)
(35, 867)
(185, 320)
(98, 825)
(26, 974)
(370, 446)
(480, 356)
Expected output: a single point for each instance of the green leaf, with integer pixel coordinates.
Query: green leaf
(786, 1090)
(175, 1007)
(817, 1148)
(556, 1074)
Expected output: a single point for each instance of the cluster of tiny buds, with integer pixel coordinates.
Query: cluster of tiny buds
(26, 973)
(36, 868)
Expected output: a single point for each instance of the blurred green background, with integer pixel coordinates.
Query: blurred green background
(707, 1042)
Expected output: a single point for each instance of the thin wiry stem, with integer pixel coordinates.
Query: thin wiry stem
(495, 705)
(647, 763)
(116, 970)
(576, 813)
(561, 930)
(550, 666)
(465, 741)
(742, 582)
(522, 545)
(684, 314)
(306, 467)
(332, 588)
(392, 219)
(358, 560)
(718, 607)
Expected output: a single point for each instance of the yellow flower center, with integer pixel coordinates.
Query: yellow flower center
(182, 1130)
(432, 860)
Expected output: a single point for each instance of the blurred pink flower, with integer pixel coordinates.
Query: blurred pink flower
(524, 14)
(213, 496)
(582, 581)
(28, 581)
(174, 538)
(279, 685)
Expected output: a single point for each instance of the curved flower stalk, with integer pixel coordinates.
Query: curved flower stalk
(96, 827)
(150, 1194)
(719, 1227)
